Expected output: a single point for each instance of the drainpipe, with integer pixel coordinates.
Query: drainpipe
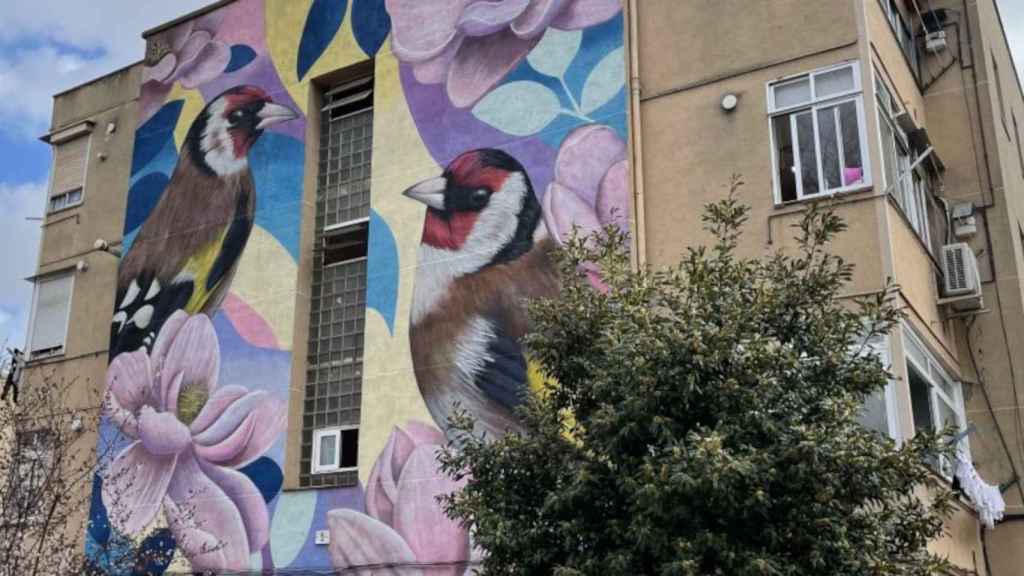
(636, 139)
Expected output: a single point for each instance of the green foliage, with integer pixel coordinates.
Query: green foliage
(703, 420)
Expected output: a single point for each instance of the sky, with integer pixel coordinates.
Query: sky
(47, 46)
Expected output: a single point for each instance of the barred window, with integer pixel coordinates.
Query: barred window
(334, 369)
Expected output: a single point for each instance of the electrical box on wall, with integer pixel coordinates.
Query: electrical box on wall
(322, 538)
(965, 224)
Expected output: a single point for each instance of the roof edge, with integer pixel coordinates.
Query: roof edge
(186, 17)
(79, 86)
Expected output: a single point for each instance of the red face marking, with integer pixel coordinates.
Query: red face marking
(242, 96)
(448, 233)
(469, 172)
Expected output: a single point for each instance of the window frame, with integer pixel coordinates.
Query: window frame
(814, 105)
(932, 373)
(31, 354)
(998, 79)
(900, 28)
(882, 348)
(318, 435)
(52, 194)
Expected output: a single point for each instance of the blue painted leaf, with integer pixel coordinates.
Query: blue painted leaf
(555, 52)
(371, 24)
(266, 475)
(382, 274)
(142, 198)
(519, 108)
(155, 553)
(322, 24)
(99, 523)
(241, 56)
(606, 80)
(154, 134)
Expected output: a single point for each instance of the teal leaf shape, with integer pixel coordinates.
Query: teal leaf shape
(605, 81)
(520, 108)
(555, 52)
(322, 25)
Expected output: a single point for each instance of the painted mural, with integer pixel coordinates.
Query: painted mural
(498, 128)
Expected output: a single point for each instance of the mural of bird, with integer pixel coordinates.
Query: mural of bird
(187, 250)
(484, 252)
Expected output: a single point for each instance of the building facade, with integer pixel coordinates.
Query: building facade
(288, 240)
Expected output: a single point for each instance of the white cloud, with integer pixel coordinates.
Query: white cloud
(47, 46)
(19, 238)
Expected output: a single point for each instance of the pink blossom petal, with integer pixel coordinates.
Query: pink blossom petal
(177, 37)
(210, 21)
(161, 347)
(193, 353)
(566, 210)
(129, 379)
(585, 13)
(585, 157)
(193, 46)
(160, 71)
(215, 406)
(223, 443)
(485, 18)
(535, 19)
(419, 518)
(613, 197)
(421, 433)
(247, 498)
(207, 65)
(203, 549)
(134, 486)
(435, 70)
(481, 62)
(359, 540)
(162, 433)
(382, 485)
(421, 29)
(203, 513)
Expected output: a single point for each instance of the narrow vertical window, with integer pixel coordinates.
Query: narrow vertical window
(51, 309)
(331, 409)
(1020, 152)
(70, 158)
(999, 94)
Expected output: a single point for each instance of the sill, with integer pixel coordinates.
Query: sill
(335, 471)
(850, 192)
(64, 209)
(39, 359)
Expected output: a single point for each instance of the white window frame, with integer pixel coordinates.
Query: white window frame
(316, 467)
(911, 197)
(856, 95)
(934, 373)
(29, 353)
(880, 347)
(64, 194)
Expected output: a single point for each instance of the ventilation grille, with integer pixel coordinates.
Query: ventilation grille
(961, 270)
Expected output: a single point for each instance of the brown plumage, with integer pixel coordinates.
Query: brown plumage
(187, 250)
(483, 255)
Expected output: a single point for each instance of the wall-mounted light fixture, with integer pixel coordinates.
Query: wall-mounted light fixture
(730, 101)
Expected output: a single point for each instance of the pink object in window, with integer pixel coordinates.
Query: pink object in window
(853, 175)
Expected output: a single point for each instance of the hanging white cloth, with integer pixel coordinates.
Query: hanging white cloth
(987, 499)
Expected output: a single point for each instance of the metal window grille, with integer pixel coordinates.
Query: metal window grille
(334, 373)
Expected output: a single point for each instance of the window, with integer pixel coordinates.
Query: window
(911, 188)
(999, 94)
(818, 133)
(936, 400)
(30, 467)
(335, 450)
(903, 34)
(878, 413)
(51, 308)
(70, 158)
(334, 375)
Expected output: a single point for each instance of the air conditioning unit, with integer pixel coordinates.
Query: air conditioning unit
(963, 281)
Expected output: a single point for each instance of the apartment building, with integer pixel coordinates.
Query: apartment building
(268, 239)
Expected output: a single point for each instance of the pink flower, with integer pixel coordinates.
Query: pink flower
(404, 523)
(190, 437)
(471, 44)
(591, 185)
(189, 55)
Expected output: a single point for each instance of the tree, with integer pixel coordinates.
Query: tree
(703, 419)
(50, 454)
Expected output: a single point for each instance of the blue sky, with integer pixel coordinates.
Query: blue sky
(47, 46)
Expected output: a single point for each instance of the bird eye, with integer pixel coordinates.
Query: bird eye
(236, 116)
(480, 197)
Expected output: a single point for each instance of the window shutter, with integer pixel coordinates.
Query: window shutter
(53, 299)
(69, 165)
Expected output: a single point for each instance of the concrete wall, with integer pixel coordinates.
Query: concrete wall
(540, 121)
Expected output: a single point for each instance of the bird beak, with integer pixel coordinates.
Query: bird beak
(272, 114)
(430, 192)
